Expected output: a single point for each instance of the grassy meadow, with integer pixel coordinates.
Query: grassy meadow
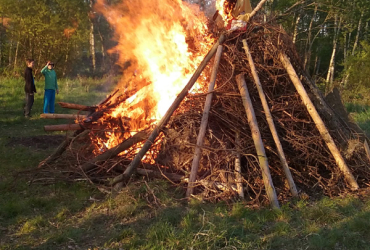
(146, 214)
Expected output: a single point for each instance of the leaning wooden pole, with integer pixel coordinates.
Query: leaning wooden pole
(136, 161)
(258, 7)
(112, 152)
(203, 125)
(270, 121)
(318, 122)
(238, 168)
(256, 135)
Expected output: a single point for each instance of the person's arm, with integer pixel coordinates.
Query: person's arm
(43, 71)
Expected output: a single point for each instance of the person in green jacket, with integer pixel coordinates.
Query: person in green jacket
(51, 86)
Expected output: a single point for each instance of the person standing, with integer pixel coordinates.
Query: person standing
(51, 87)
(29, 88)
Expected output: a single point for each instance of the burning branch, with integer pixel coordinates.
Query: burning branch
(136, 161)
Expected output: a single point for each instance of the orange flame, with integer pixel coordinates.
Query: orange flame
(224, 9)
(163, 41)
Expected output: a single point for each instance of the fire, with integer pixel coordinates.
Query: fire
(224, 9)
(163, 41)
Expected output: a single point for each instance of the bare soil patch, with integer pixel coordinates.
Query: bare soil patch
(37, 142)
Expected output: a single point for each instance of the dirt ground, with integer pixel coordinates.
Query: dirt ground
(37, 142)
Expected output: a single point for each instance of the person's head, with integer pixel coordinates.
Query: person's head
(50, 65)
(30, 62)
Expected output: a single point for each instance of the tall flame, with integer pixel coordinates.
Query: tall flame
(163, 41)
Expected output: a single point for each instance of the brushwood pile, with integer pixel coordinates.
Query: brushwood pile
(313, 168)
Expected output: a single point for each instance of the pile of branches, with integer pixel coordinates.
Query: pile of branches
(228, 136)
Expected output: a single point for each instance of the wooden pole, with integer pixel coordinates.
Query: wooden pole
(75, 106)
(62, 127)
(318, 122)
(270, 121)
(256, 135)
(203, 126)
(138, 137)
(258, 7)
(63, 116)
(136, 161)
(238, 169)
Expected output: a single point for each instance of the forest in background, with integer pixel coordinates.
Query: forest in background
(331, 37)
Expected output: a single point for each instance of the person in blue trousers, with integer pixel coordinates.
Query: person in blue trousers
(51, 87)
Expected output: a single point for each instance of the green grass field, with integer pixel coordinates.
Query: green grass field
(145, 214)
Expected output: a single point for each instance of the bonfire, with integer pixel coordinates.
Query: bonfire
(221, 113)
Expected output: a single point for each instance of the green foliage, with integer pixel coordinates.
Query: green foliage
(358, 71)
(56, 30)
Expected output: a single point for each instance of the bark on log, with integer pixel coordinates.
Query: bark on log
(238, 169)
(62, 127)
(256, 135)
(62, 116)
(138, 137)
(108, 98)
(76, 106)
(203, 126)
(318, 122)
(270, 121)
(136, 161)
(258, 7)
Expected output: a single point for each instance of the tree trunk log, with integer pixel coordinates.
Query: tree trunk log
(318, 122)
(138, 137)
(270, 121)
(62, 127)
(76, 106)
(256, 135)
(203, 126)
(63, 116)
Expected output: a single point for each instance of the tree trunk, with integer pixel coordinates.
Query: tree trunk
(330, 75)
(309, 42)
(10, 52)
(92, 37)
(358, 34)
(295, 32)
(16, 55)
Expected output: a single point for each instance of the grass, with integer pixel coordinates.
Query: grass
(361, 114)
(147, 214)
